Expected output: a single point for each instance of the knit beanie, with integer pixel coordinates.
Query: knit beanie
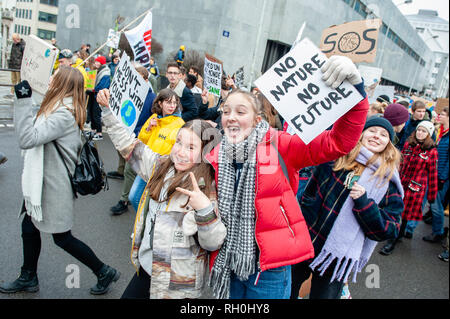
(382, 122)
(383, 98)
(427, 125)
(396, 114)
(101, 59)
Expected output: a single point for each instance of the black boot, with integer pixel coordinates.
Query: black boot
(27, 282)
(105, 277)
(389, 247)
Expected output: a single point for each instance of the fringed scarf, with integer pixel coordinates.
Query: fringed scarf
(237, 210)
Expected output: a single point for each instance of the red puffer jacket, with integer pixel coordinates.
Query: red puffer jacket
(281, 232)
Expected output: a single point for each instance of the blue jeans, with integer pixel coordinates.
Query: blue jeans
(437, 210)
(272, 284)
(136, 192)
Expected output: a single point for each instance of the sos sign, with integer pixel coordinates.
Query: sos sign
(356, 40)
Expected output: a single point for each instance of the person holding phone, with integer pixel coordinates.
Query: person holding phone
(349, 205)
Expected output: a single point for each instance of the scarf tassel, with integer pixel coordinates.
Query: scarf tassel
(34, 211)
(344, 266)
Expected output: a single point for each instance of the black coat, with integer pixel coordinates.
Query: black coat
(15, 60)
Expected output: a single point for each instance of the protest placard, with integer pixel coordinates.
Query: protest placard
(90, 83)
(295, 88)
(37, 64)
(140, 40)
(212, 71)
(113, 39)
(239, 77)
(371, 77)
(356, 40)
(128, 91)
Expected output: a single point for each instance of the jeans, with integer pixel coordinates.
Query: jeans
(139, 286)
(272, 284)
(437, 210)
(136, 192)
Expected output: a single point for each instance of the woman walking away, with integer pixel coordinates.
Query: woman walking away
(257, 178)
(349, 206)
(419, 174)
(48, 198)
(177, 220)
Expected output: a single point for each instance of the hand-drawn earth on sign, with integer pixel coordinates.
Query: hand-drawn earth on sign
(128, 113)
(349, 42)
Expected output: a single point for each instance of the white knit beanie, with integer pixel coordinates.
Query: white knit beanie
(428, 126)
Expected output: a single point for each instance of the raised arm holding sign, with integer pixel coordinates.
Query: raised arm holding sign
(295, 87)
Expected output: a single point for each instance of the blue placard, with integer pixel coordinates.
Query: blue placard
(226, 33)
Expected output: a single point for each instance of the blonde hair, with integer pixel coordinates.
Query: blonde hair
(67, 82)
(390, 159)
(254, 101)
(378, 107)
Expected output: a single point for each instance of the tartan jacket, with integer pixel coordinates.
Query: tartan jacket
(325, 195)
(418, 173)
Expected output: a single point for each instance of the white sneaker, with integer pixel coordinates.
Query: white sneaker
(97, 137)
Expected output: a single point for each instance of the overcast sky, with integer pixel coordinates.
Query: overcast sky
(441, 6)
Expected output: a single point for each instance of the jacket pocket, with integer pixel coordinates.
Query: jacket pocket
(283, 212)
(414, 186)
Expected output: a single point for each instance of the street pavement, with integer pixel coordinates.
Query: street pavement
(413, 271)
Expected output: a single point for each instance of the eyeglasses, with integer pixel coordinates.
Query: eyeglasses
(173, 73)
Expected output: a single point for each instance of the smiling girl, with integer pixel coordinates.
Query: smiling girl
(349, 206)
(257, 177)
(177, 219)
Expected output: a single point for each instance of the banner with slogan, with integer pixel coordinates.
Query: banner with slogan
(128, 91)
(239, 77)
(140, 39)
(294, 86)
(212, 71)
(90, 84)
(37, 64)
(356, 40)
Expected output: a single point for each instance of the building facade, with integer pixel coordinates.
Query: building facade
(435, 33)
(38, 17)
(253, 34)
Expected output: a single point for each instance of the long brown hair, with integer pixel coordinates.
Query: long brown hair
(67, 82)
(268, 111)
(165, 95)
(427, 144)
(390, 160)
(210, 137)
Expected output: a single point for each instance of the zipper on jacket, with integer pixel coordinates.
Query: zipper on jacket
(287, 221)
(331, 211)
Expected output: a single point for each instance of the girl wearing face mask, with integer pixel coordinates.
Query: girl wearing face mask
(257, 178)
(349, 205)
(177, 220)
(418, 173)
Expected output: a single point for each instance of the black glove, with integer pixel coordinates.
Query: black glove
(441, 183)
(23, 90)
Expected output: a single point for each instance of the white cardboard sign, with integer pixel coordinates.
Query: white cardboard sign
(212, 76)
(128, 91)
(37, 64)
(295, 88)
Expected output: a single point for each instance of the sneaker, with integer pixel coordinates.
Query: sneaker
(120, 208)
(97, 137)
(115, 175)
(433, 238)
(443, 256)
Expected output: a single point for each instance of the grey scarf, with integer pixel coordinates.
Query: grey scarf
(237, 210)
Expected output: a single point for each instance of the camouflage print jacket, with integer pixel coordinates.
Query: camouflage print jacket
(169, 242)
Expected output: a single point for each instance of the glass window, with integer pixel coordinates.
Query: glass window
(47, 17)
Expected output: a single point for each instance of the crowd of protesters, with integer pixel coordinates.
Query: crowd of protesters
(195, 171)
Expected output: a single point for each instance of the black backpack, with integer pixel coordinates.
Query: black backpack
(89, 177)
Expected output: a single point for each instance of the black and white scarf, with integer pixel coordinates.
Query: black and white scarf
(237, 210)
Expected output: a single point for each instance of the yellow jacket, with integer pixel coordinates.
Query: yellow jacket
(78, 66)
(161, 137)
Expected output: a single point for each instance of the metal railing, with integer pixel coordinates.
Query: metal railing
(8, 70)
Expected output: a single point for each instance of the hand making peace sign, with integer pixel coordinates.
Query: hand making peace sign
(197, 199)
